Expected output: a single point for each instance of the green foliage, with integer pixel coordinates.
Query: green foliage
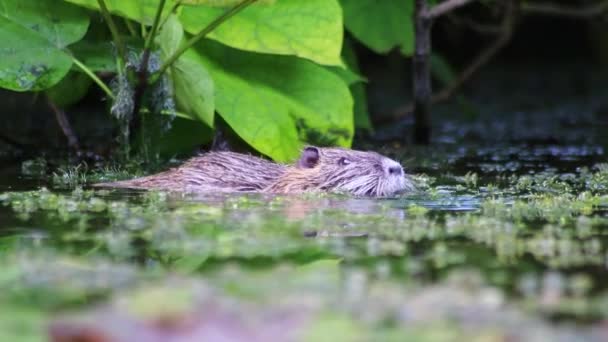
(282, 91)
(369, 262)
(192, 84)
(142, 11)
(381, 25)
(310, 29)
(357, 88)
(34, 34)
(70, 89)
(276, 71)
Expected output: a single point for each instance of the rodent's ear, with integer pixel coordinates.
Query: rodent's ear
(309, 158)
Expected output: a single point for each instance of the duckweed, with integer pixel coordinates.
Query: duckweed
(485, 256)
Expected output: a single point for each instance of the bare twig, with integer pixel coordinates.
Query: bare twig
(565, 11)
(445, 7)
(422, 74)
(485, 29)
(65, 126)
(484, 56)
(10, 141)
(423, 21)
(482, 59)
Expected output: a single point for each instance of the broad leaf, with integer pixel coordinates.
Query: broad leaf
(264, 98)
(34, 34)
(97, 51)
(309, 29)
(192, 84)
(381, 25)
(98, 56)
(70, 89)
(184, 136)
(223, 3)
(357, 89)
(346, 74)
(142, 11)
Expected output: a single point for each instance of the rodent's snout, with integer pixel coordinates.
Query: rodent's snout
(392, 168)
(395, 170)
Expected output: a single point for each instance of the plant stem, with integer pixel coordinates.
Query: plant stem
(506, 32)
(64, 124)
(144, 31)
(152, 33)
(113, 29)
(422, 74)
(172, 11)
(204, 32)
(142, 73)
(506, 29)
(130, 27)
(571, 11)
(94, 77)
(445, 7)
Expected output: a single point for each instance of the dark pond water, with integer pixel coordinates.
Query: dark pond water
(505, 239)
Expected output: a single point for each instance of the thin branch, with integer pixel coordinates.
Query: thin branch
(485, 29)
(155, 23)
(113, 29)
(173, 10)
(204, 32)
(507, 27)
(64, 124)
(142, 72)
(145, 59)
(94, 77)
(12, 142)
(445, 7)
(565, 11)
(130, 27)
(422, 73)
(484, 57)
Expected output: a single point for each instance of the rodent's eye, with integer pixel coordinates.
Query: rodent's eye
(343, 161)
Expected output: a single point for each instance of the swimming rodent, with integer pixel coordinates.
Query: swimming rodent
(320, 169)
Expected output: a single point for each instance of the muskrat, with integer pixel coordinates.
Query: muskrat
(337, 170)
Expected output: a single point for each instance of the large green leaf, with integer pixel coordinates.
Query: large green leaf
(309, 29)
(264, 98)
(142, 11)
(192, 84)
(381, 25)
(362, 119)
(71, 89)
(34, 34)
(183, 137)
(98, 56)
(222, 3)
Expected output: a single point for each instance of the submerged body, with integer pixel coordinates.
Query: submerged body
(318, 169)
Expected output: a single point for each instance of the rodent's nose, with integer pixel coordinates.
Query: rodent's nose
(395, 170)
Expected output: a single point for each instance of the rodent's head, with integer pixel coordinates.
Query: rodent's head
(355, 172)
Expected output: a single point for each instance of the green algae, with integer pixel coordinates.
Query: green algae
(517, 249)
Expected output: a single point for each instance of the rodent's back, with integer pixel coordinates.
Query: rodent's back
(212, 172)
